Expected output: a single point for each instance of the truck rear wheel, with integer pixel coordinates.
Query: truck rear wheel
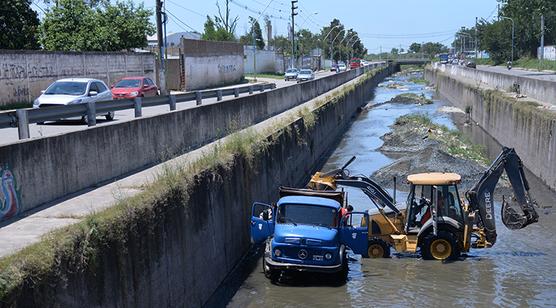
(378, 249)
(442, 246)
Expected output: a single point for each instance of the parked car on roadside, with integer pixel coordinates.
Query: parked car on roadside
(74, 91)
(334, 68)
(342, 67)
(305, 75)
(131, 87)
(291, 74)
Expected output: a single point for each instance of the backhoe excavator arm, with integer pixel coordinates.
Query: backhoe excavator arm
(333, 178)
(481, 197)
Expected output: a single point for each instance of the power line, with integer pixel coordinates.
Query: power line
(185, 8)
(177, 19)
(247, 8)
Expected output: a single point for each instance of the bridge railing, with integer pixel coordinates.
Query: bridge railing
(21, 118)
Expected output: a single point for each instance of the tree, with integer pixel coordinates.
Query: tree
(223, 20)
(493, 37)
(431, 49)
(255, 31)
(213, 33)
(282, 44)
(394, 51)
(415, 47)
(221, 27)
(335, 29)
(527, 15)
(18, 26)
(73, 25)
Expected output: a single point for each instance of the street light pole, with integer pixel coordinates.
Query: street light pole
(345, 37)
(332, 45)
(351, 47)
(513, 35)
(326, 36)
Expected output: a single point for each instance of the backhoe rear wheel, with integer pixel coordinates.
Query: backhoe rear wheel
(378, 249)
(443, 246)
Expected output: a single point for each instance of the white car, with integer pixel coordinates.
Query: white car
(305, 75)
(342, 67)
(291, 74)
(75, 91)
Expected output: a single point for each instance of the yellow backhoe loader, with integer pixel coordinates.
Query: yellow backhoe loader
(436, 221)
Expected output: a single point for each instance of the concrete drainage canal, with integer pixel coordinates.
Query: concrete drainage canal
(405, 129)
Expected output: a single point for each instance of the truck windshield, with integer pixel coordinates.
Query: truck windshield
(307, 214)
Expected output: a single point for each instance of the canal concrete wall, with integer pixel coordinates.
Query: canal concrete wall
(48, 168)
(523, 125)
(24, 73)
(176, 249)
(542, 90)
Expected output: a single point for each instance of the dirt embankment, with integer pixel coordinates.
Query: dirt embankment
(419, 145)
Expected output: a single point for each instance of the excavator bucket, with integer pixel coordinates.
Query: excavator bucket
(516, 217)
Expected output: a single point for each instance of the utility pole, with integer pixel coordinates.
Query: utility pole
(476, 39)
(513, 35)
(160, 39)
(541, 56)
(294, 2)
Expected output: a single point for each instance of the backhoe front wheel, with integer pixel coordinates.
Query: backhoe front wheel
(378, 249)
(442, 246)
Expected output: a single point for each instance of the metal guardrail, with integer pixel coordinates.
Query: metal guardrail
(21, 118)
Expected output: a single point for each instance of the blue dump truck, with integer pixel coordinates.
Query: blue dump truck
(307, 230)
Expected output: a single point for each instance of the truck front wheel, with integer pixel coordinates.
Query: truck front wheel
(270, 273)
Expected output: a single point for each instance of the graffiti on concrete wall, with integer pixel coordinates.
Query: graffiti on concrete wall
(12, 71)
(9, 194)
(227, 68)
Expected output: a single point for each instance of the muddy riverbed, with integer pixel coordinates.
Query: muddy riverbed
(520, 270)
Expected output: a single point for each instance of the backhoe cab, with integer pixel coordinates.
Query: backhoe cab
(436, 220)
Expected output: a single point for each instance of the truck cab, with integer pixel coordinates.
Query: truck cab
(306, 231)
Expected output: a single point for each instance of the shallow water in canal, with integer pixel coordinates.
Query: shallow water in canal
(520, 270)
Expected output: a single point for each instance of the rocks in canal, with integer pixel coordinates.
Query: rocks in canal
(419, 145)
(411, 98)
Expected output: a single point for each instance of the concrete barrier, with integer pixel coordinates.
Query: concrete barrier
(528, 129)
(24, 73)
(178, 254)
(543, 90)
(49, 168)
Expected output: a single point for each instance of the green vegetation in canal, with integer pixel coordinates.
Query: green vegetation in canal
(418, 80)
(452, 141)
(411, 98)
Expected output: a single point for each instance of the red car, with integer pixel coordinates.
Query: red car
(131, 87)
(355, 63)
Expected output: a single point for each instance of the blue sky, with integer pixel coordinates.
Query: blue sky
(380, 23)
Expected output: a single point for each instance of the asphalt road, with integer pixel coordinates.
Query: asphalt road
(10, 135)
(551, 76)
